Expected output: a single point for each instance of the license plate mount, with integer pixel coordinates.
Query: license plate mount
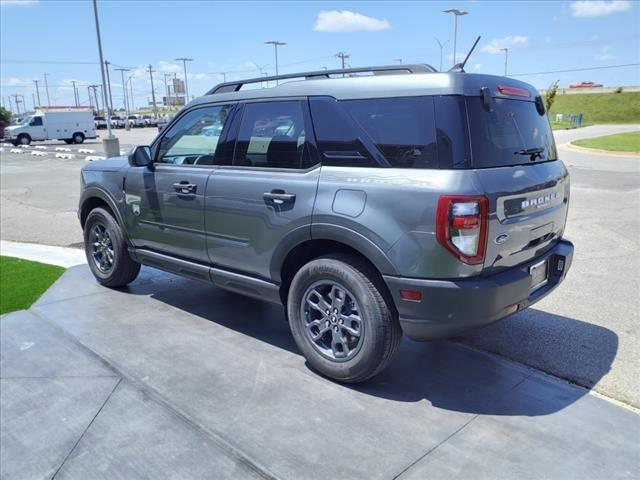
(539, 275)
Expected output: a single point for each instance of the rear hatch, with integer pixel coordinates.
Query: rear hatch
(515, 160)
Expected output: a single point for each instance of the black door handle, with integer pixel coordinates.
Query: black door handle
(278, 197)
(185, 187)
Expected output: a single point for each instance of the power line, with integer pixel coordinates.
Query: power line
(576, 70)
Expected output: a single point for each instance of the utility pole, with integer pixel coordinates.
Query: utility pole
(95, 95)
(17, 102)
(184, 61)
(506, 58)
(37, 91)
(399, 60)
(276, 44)
(441, 45)
(10, 106)
(342, 56)
(110, 144)
(75, 92)
(153, 93)
(89, 94)
(124, 89)
(133, 106)
(46, 86)
(107, 63)
(33, 99)
(456, 13)
(166, 87)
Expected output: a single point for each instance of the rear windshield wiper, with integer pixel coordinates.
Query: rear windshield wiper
(532, 152)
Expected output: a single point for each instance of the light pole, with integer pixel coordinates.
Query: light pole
(166, 88)
(441, 45)
(106, 64)
(153, 92)
(186, 83)
(506, 58)
(111, 144)
(276, 44)
(37, 91)
(124, 89)
(75, 92)
(456, 13)
(132, 104)
(46, 87)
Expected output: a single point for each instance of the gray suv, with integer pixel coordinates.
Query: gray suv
(370, 202)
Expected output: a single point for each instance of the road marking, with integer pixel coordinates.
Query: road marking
(65, 155)
(16, 150)
(40, 147)
(62, 149)
(91, 158)
(86, 150)
(36, 153)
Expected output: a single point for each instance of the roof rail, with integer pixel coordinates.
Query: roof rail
(236, 85)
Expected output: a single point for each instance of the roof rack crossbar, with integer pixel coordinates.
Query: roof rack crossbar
(236, 85)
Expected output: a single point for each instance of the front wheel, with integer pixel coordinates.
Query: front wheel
(78, 138)
(24, 139)
(106, 250)
(340, 319)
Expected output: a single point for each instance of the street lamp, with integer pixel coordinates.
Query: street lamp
(275, 44)
(456, 13)
(124, 89)
(441, 45)
(186, 84)
(506, 57)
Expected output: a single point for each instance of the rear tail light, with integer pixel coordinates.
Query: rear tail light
(461, 226)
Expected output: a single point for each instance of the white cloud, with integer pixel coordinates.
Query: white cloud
(169, 67)
(347, 21)
(547, 39)
(604, 53)
(598, 8)
(477, 67)
(21, 3)
(509, 41)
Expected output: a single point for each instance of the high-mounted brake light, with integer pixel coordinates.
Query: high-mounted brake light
(461, 226)
(513, 91)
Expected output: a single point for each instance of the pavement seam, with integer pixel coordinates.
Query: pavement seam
(87, 428)
(445, 440)
(226, 446)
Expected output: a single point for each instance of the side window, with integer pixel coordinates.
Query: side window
(338, 138)
(36, 122)
(194, 138)
(403, 129)
(272, 134)
(452, 132)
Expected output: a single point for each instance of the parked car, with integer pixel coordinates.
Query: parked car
(135, 121)
(100, 123)
(585, 85)
(117, 121)
(150, 120)
(71, 126)
(404, 202)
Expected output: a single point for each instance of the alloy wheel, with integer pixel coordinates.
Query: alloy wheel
(101, 248)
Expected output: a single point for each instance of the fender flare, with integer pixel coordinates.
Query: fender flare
(98, 192)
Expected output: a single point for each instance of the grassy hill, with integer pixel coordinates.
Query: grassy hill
(599, 107)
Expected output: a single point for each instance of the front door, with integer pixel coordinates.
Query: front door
(165, 203)
(264, 199)
(37, 129)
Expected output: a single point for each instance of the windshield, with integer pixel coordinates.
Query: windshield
(513, 133)
(26, 120)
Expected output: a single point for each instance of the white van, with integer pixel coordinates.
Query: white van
(72, 126)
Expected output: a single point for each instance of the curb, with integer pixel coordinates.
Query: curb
(60, 256)
(609, 153)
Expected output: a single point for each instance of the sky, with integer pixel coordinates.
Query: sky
(59, 38)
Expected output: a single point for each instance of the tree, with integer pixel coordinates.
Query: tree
(550, 95)
(5, 115)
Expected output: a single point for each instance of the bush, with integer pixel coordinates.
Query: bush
(550, 95)
(618, 90)
(5, 115)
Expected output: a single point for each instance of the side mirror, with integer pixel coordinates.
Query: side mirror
(140, 156)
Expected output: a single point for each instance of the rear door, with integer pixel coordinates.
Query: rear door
(165, 204)
(515, 161)
(263, 198)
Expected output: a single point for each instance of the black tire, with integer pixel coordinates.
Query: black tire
(124, 269)
(380, 329)
(68, 141)
(78, 138)
(24, 139)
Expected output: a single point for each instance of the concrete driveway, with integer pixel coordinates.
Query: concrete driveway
(175, 379)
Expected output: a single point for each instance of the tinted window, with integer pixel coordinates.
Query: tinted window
(272, 134)
(194, 138)
(512, 133)
(452, 132)
(36, 122)
(338, 138)
(403, 129)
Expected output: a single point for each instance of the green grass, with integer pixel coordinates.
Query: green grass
(620, 142)
(598, 107)
(22, 282)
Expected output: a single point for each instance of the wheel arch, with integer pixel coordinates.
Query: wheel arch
(94, 197)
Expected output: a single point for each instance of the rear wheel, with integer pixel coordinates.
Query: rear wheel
(78, 138)
(106, 250)
(340, 319)
(24, 139)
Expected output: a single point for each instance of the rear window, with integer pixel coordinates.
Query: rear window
(513, 133)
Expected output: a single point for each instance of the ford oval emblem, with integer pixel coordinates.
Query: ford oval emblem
(500, 239)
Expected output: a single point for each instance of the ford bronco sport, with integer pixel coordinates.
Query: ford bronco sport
(370, 202)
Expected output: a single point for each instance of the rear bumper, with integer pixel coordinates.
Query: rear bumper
(452, 306)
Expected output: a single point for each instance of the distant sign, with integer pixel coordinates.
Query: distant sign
(173, 101)
(178, 86)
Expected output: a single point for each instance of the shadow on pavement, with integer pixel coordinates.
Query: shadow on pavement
(445, 373)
